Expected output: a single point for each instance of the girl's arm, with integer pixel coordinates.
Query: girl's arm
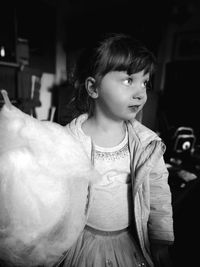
(161, 218)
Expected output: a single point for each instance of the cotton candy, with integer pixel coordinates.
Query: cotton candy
(45, 178)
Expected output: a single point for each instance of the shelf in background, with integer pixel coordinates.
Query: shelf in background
(9, 64)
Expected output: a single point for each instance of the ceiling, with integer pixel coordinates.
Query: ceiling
(141, 18)
(145, 19)
(83, 20)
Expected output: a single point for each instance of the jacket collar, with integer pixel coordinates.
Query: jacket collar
(140, 133)
(142, 140)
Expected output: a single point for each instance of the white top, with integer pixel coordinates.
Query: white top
(111, 207)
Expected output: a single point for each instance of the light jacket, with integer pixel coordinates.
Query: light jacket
(151, 192)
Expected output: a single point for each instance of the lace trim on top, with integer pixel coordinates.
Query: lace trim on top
(112, 153)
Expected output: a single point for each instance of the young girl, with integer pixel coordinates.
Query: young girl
(129, 212)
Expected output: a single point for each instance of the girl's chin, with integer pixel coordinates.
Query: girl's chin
(135, 114)
(131, 116)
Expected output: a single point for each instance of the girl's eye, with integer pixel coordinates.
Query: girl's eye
(128, 81)
(146, 84)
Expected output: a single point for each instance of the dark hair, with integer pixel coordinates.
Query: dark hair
(117, 52)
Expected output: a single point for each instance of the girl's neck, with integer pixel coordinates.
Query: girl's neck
(104, 132)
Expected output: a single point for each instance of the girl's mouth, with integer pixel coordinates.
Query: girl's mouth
(134, 108)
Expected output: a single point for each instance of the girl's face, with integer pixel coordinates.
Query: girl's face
(121, 96)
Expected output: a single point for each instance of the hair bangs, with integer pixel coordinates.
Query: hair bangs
(129, 56)
(138, 64)
(118, 62)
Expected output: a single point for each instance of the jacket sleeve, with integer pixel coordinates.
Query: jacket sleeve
(160, 224)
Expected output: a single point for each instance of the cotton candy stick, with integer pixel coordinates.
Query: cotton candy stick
(6, 98)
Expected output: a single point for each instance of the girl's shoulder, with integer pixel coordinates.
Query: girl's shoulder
(75, 126)
(142, 133)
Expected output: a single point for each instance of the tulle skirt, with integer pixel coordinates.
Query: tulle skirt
(96, 248)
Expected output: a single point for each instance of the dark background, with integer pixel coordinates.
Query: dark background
(171, 28)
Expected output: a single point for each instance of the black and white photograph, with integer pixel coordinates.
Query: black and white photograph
(99, 133)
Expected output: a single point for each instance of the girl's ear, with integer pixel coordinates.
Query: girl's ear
(91, 87)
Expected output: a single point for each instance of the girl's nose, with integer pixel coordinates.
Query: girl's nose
(139, 94)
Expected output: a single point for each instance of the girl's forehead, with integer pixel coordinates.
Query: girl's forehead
(139, 74)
